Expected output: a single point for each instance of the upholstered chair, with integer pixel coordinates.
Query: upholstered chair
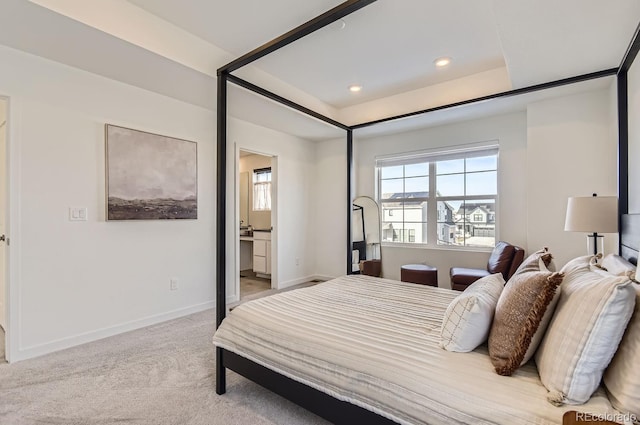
(505, 258)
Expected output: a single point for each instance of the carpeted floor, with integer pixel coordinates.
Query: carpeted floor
(267, 292)
(159, 375)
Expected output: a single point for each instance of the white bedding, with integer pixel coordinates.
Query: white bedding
(374, 342)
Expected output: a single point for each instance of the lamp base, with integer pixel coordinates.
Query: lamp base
(595, 244)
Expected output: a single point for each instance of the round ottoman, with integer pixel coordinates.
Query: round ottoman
(419, 273)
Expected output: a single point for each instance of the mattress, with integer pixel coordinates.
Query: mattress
(375, 343)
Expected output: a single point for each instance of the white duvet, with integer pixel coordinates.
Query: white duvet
(374, 342)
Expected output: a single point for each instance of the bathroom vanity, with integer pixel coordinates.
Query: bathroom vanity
(262, 253)
(255, 252)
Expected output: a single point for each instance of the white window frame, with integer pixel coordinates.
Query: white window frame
(266, 185)
(432, 156)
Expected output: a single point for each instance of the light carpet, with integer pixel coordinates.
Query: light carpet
(159, 375)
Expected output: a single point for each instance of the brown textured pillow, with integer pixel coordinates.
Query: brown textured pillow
(520, 310)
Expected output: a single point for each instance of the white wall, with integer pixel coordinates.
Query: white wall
(293, 187)
(331, 208)
(558, 148)
(572, 151)
(633, 79)
(79, 281)
(509, 130)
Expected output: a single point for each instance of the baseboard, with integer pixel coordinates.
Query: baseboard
(300, 280)
(83, 338)
(323, 277)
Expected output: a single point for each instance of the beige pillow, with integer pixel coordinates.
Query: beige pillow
(584, 333)
(622, 377)
(539, 260)
(468, 318)
(519, 313)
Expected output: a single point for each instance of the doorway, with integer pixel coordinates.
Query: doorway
(3, 209)
(256, 215)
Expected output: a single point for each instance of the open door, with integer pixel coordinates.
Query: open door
(256, 208)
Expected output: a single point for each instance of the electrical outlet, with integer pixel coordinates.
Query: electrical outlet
(78, 214)
(297, 261)
(173, 284)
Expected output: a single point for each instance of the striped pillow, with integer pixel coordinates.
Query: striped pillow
(622, 377)
(539, 260)
(590, 318)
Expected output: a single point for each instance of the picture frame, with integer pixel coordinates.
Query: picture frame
(149, 176)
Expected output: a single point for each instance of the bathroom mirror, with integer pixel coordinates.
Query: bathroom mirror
(244, 198)
(365, 236)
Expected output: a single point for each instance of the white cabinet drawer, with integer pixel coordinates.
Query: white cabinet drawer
(262, 252)
(260, 264)
(264, 236)
(260, 248)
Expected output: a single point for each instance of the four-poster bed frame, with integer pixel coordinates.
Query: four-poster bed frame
(314, 400)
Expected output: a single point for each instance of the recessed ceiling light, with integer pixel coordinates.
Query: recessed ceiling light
(355, 88)
(440, 62)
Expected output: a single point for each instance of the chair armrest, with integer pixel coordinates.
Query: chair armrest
(461, 277)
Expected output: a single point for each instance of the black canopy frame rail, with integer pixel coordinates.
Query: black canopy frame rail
(314, 400)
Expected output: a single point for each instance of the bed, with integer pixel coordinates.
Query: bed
(360, 349)
(374, 343)
(363, 350)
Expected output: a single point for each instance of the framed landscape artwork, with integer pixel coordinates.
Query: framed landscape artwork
(150, 177)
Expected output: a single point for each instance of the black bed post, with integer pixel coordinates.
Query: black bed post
(224, 76)
(623, 149)
(221, 296)
(623, 129)
(349, 198)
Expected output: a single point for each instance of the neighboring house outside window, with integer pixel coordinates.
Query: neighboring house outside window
(451, 195)
(262, 189)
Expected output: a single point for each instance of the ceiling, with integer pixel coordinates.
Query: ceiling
(385, 47)
(388, 47)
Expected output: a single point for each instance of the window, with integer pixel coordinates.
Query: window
(450, 195)
(262, 189)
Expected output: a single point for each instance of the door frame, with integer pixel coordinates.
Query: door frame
(236, 218)
(12, 293)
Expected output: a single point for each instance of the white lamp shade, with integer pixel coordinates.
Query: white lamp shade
(592, 214)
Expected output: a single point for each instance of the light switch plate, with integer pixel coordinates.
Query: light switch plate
(78, 214)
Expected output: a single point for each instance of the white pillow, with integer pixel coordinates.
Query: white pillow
(592, 313)
(618, 266)
(467, 321)
(622, 377)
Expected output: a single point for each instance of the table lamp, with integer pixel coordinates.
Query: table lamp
(592, 214)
